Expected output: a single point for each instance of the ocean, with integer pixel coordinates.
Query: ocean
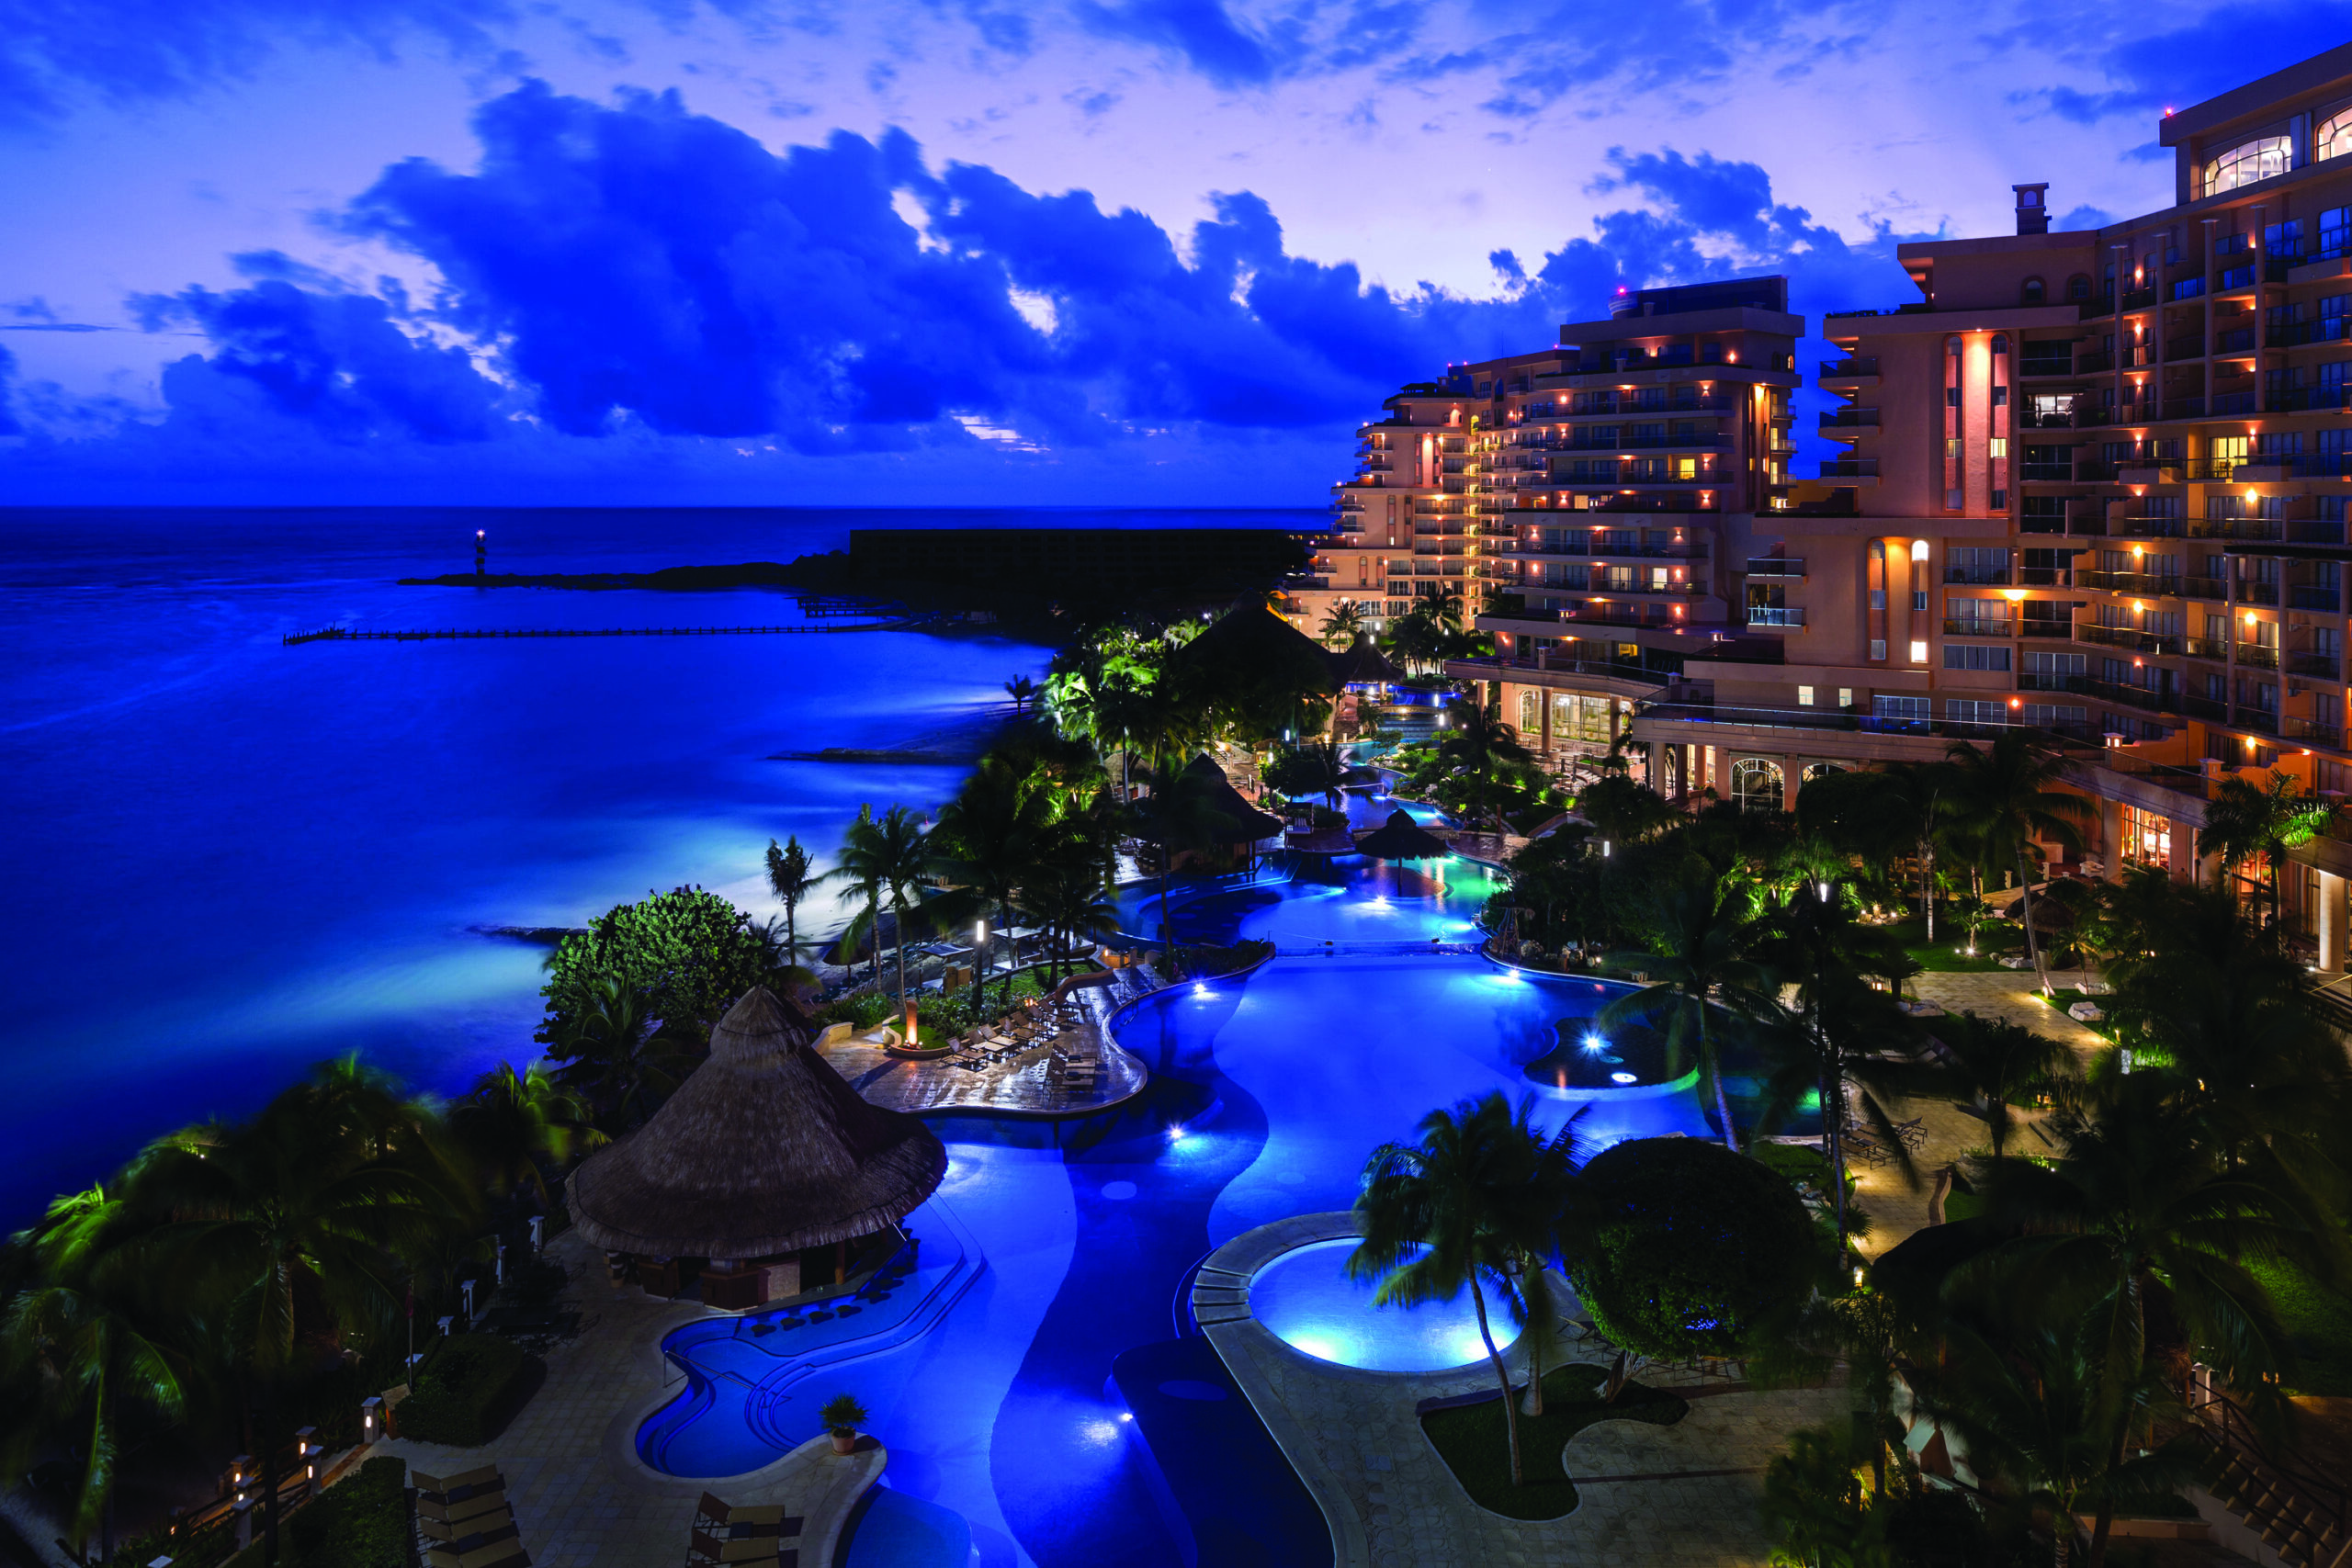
(226, 859)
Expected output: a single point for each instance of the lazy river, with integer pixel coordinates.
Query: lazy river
(1041, 1266)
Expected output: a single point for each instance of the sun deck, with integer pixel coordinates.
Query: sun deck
(1020, 1083)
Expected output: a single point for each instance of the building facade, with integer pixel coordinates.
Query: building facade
(2095, 485)
(1592, 502)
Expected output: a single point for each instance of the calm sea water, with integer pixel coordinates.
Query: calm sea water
(226, 859)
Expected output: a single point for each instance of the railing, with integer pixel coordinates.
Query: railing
(2052, 680)
(2205, 708)
(1972, 626)
(2059, 473)
(2096, 362)
(2221, 403)
(2139, 298)
(1978, 576)
(1651, 399)
(1549, 663)
(2045, 365)
(2045, 576)
(1857, 364)
(1850, 468)
(2252, 529)
(2236, 340)
(2311, 730)
(2257, 593)
(1670, 712)
(2128, 581)
(1775, 615)
(2213, 647)
(2327, 666)
(1775, 566)
(2128, 637)
(2196, 586)
(2254, 656)
(1850, 419)
(2315, 530)
(2049, 626)
(2187, 349)
(2257, 719)
(2293, 334)
(2145, 698)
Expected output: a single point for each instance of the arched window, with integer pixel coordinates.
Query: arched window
(2001, 340)
(2334, 137)
(2247, 161)
(1816, 770)
(1755, 784)
(2079, 285)
(2033, 291)
(1530, 717)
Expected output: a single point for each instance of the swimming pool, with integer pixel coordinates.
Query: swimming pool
(1306, 1297)
(1269, 1093)
(1346, 899)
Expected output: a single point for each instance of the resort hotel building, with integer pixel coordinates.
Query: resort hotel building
(2094, 483)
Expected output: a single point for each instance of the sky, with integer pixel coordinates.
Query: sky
(959, 251)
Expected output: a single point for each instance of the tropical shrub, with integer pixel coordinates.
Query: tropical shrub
(361, 1522)
(464, 1390)
(687, 952)
(1692, 1249)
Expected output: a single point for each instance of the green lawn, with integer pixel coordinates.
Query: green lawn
(1992, 940)
(2319, 1325)
(1471, 1440)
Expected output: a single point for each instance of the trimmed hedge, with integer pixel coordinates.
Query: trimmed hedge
(464, 1390)
(360, 1522)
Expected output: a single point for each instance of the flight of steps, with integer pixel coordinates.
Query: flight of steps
(2280, 1514)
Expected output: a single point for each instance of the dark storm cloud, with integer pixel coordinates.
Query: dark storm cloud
(633, 267)
(2147, 72)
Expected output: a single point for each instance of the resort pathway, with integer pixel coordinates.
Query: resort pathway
(579, 1492)
(1683, 1495)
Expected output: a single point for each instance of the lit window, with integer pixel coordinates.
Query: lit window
(2334, 137)
(1844, 697)
(1804, 696)
(1918, 653)
(2246, 162)
(1998, 447)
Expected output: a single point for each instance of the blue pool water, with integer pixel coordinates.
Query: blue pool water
(1347, 898)
(1307, 1298)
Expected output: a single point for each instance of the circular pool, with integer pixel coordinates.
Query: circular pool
(1306, 1297)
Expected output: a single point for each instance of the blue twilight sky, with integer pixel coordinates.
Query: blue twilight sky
(940, 250)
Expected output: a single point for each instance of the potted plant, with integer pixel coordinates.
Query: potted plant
(842, 1414)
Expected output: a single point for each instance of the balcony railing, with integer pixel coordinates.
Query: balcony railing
(1850, 419)
(2254, 529)
(2096, 362)
(2126, 637)
(2046, 364)
(2257, 719)
(1857, 364)
(2310, 596)
(1972, 626)
(1775, 566)
(2045, 576)
(2048, 681)
(2062, 473)
(2049, 626)
(2213, 647)
(2236, 340)
(2254, 655)
(1833, 718)
(2315, 530)
(1850, 468)
(2257, 593)
(2311, 730)
(2294, 334)
(1775, 615)
(2326, 666)
(2180, 348)
(1978, 576)
(2148, 583)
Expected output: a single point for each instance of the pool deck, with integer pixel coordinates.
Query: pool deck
(1649, 1497)
(580, 1493)
(1015, 1087)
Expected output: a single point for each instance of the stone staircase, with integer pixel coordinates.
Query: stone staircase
(2302, 1521)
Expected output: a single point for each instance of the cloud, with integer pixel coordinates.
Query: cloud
(631, 277)
(2150, 71)
(8, 426)
(1199, 32)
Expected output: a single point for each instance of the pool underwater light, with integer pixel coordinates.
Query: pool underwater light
(1595, 1043)
(1625, 1077)
(1176, 1134)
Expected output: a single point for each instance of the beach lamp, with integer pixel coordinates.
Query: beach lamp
(499, 1263)
(445, 1321)
(371, 1418)
(537, 1222)
(467, 1288)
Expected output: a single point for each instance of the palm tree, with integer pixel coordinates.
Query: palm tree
(1487, 753)
(2000, 1063)
(2139, 1204)
(515, 1126)
(2001, 798)
(1182, 815)
(1703, 966)
(78, 1346)
(1456, 1211)
(2244, 820)
(1342, 624)
(628, 1063)
(1065, 894)
(298, 1215)
(1883, 814)
(790, 879)
(856, 867)
(888, 859)
(2043, 1409)
(987, 843)
(1021, 689)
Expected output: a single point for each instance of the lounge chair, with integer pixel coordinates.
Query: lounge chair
(750, 1551)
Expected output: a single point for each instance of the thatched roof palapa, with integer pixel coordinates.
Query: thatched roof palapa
(1250, 823)
(1362, 664)
(762, 1150)
(1401, 838)
(1253, 645)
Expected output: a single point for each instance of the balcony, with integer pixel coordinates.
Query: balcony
(2043, 365)
(2315, 530)
(2318, 733)
(2255, 530)
(2294, 334)
(2257, 593)
(2096, 362)
(1775, 566)
(2236, 340)
(2042, 681)
(1775, 615)
(2254, 656)
(2325, 666)
(2257, 720)
(2049, 626)
(2167, 585)
(2141, 697)
(2147, 526)
(1849, 468)
(2181, 348)
(1971, 626)
(2127, 638)
(2212, 648)
(1850, 419)
(2045, 576)
(2308, 597)
(2060, 473)
(1978, 576)
(2195, 585)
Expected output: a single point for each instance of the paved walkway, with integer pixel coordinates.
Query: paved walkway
(1649, 1497)
(1018, 1086)
(580, 1494)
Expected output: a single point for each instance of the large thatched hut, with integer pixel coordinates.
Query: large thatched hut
(766, 1168)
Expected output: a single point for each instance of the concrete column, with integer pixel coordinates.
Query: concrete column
(1791, 774)
(2331, 921)
(2111, 828)
(1544, 714)
(2184, 852)
(1656, 774)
